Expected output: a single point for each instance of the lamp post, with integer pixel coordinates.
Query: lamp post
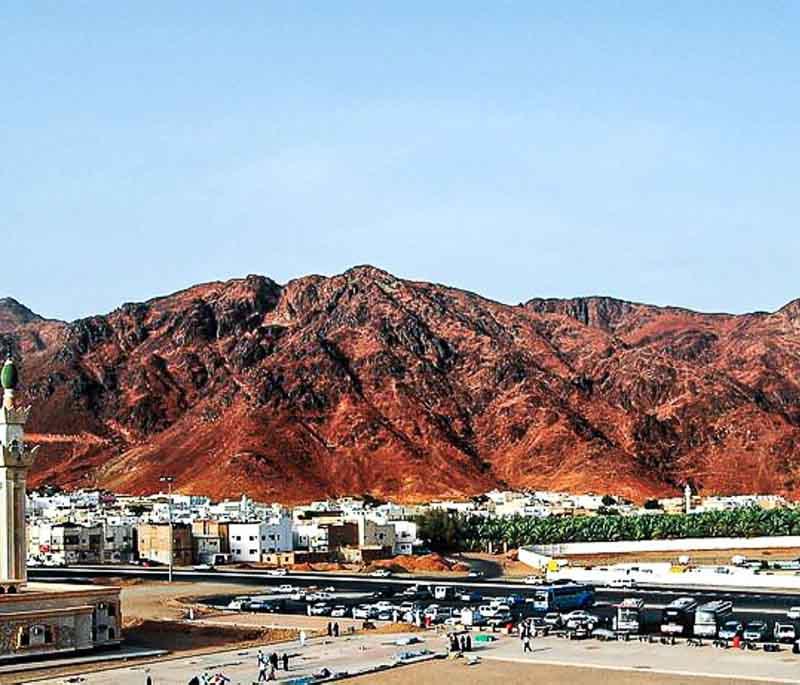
(169, 480)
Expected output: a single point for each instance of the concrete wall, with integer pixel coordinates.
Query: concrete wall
(685, 545)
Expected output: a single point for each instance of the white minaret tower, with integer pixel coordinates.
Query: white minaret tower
(15, 461)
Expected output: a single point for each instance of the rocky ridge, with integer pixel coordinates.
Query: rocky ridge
(367, 383)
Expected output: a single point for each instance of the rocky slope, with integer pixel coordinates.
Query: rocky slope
(363, 382)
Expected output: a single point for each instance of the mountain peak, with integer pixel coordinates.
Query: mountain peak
(13, 313)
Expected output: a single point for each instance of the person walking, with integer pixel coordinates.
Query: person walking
(526, 644)
(286, 661)
(336, 629)
(148, 680)
(262, 666)
(330, 629)
(302, 638)
(273, 660)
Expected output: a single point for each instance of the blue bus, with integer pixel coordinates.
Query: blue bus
(563, 597)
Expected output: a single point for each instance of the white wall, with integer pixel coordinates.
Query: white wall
(685, 545)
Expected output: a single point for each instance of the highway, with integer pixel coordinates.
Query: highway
(749, 605)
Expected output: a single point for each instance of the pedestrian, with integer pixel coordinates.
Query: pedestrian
(272, 674)
(468, 641)
(286, 661)
(336, 629)
(194, 681)
(148, 680)
(273, 660)
(302, 638)
(330, 629)
(262, 666)
(308, 609)
(526, 645)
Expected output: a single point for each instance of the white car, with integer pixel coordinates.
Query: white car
(298, 595)
(384, 606)
(363, 612)
(339, 611)
(793, 614)
(329, 589)
(287, 589)
(784, 632)
(532, 580)
(432, 610)
(381, 573)
(576, 619)
(623, 582)
(278, 572)
(320, 609)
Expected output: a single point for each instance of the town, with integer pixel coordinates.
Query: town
(98, 527)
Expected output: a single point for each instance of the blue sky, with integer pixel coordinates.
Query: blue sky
(647, 151)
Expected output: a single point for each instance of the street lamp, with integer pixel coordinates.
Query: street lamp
(169, 480)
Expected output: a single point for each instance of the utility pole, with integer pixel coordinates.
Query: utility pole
(169, 480)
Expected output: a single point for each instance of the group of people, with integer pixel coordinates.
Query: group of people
(333, 629)
(268, 665)
(526, 635)
(460, 643)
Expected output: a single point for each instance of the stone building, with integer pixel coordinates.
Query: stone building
(153, 543)
(39, 618)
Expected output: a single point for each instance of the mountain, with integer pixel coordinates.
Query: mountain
(366, 383)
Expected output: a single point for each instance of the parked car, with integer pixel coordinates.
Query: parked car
(729, 630)
(500, 618)
(278, 572)
(623, 582)
(785, 632)
(381, 573)
(755, 631)
(320, 609)
(532, 580)
(793, 614)
(553, 619)
(476, 574)
(470, 596)
(580, 619)
(363, 611)
(329, 589)
(339, 611)
(298, 595)
(384, 606)
(287, 589)
(203, 567)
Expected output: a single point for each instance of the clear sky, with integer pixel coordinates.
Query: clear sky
(644, 150)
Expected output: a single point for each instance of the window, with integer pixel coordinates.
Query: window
(252, 537)
(112, 609)
(253, 551)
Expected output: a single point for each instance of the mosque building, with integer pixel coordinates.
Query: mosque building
(39, 619)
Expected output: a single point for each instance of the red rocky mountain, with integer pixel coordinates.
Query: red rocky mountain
(366, 383)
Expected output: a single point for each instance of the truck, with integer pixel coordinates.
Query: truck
(710, 616)
(630, 615)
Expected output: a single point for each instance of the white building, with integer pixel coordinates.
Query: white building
(249, 541)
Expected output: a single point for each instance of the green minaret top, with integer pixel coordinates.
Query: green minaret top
(9, 377)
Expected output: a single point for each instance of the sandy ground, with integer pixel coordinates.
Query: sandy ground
(509, 673)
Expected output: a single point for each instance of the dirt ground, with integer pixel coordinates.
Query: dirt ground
(509, 673)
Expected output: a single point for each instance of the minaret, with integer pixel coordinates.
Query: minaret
(15, 461)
